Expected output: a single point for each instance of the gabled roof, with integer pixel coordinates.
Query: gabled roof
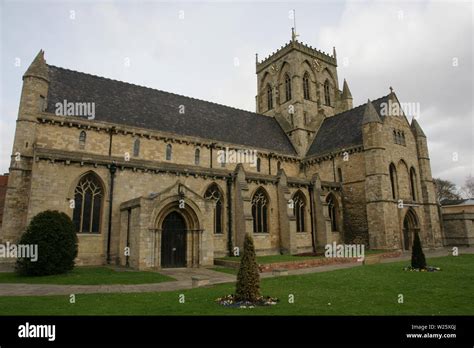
(342, 131)
(127, 104)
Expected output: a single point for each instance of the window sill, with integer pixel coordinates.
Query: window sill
(88, 234)
(261, 234)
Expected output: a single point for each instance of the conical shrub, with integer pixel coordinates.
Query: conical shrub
(417, 256)
(55, 236)
(248, 278)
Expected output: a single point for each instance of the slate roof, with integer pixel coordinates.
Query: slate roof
(446, 202)
(341, 131)
(123, 103)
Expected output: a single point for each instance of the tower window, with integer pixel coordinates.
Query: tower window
(258, 165)
(42, 103)
(393, 180)
(327, 98)
(306, 86)
(269, 97)
(287, 87)
(413, 183)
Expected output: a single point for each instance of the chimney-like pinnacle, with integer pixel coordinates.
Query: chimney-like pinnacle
(38, 68)
(370, 114)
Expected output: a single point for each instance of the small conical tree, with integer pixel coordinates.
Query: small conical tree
(248, 279)
(417, 256)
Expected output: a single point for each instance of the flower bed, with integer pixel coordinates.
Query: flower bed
(230, 301)
(306, 263)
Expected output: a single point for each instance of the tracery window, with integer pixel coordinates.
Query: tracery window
(214, 194)
(298, 210)
(260, 211)
(88, 201)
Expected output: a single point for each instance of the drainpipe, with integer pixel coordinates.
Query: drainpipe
(229, 214)
(311, 213)
(211, 147)
(334, 167)
(129, 216)
(112, 169)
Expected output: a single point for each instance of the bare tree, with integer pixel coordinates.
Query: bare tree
(468, 188)
(445, 189)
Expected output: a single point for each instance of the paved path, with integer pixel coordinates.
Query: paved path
(183, 279)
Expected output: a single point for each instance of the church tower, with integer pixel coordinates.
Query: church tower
(298, 85)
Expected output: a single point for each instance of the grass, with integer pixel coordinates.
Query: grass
(89, 276)
(362, 290)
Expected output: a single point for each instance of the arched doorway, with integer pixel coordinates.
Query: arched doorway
(410, 227)
(173, 241)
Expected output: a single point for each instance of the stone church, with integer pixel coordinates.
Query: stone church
(142, 178)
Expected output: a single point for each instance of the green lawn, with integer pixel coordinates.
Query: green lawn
(362, 290)
(89, 276)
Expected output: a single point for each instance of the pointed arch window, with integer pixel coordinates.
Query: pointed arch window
(393, 180)
(82, 139)
(269, 97)
(88, 202)
(299, 211)
(413, 183)
(169, 150)
(333, 211)
(306, 86)
(287, 87)
(213, 193)
(260, 211)
(197, 156)
(327, 97)
(136, 147)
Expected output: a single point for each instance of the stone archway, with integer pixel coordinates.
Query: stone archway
(173, 241)
(410, 227)
(177, 236)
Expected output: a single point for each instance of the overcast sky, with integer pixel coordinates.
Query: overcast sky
(423, 49)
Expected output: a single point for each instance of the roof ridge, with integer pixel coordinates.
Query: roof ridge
(157, 90)
(356, 107)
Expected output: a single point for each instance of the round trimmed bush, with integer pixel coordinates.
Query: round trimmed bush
(55, 235)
